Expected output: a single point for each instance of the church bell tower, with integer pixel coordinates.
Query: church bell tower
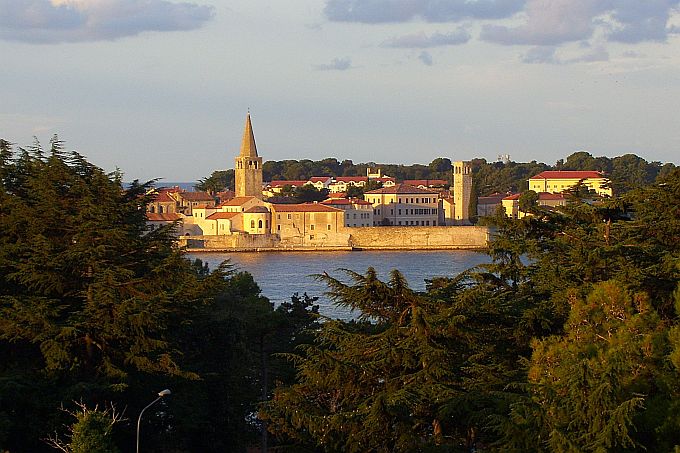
(248, 166)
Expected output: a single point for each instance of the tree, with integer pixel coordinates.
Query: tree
(91, 432)
(528, 201)
(96, 306)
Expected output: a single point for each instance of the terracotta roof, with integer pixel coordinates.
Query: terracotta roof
(197, 196)
(337, 195)
(551, 196)
(344, 201)
(402, 189)
(514, 196)
(305, 207)
(257, 209)
(426, 182)
(222, 215)
(319, 178)
(165, 217)
(163, 197)
(568, 175)
(238, 201)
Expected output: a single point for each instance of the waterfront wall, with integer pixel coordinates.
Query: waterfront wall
(368, 238)
(412, 238)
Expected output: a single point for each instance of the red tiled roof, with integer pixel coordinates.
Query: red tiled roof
(165, 217)
(514, 196)
(402, 189)
(305, 207)
(196, 196)
(238, 201)
(319, 178)
(568, 175)
(222, 215)
(551, 196)
(344, 201)
(337, 195)
(163, 197)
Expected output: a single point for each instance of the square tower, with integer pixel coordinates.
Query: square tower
(462, 191)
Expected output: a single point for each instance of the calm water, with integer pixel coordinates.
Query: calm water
(279, 275)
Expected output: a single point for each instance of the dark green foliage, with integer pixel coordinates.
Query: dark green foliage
(568, 341)
(96, 306)
(92, 432)
(218, 181)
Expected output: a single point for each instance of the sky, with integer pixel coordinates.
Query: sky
(160, 89)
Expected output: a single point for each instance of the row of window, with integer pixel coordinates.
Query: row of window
(413, 223)
(363, 215)
(416, 200)
(419, 211)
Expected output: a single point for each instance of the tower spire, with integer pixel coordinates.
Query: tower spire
(248, 147)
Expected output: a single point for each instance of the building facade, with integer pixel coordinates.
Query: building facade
(404, 205)
(561, 181)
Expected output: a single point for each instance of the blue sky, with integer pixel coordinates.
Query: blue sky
(161, 88)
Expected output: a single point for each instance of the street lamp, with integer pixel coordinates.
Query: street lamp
(161, 394)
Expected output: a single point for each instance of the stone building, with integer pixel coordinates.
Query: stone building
(248, 165)
(404, 205)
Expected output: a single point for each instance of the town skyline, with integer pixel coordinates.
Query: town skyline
(159, 89)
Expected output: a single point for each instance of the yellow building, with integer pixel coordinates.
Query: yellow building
(545, 199)
(560, 181)
(402, 204)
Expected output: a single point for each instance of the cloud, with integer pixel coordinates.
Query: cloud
(56, 21)
(422, 41)
(541, 54)
(598, 53)
(381, 11)
(426, 58)
(548, 55)
(337, 64)
(555, 22)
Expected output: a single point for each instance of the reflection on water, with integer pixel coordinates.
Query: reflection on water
(279, 275)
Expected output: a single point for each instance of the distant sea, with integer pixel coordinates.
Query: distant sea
(280, 274)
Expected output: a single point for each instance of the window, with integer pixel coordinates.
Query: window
(400, 222)
(288, 216)
(278, 227)
(311, 227)
(259, 223)
(328, 227)
(252, 224)
(311, 236)
(399, 211)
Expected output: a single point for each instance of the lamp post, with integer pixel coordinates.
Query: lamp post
(161, 394)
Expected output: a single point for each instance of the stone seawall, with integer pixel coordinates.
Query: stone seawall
(419, 238)
(368, 238)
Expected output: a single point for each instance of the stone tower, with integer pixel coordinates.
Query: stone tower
(248, 167)
(462, 191)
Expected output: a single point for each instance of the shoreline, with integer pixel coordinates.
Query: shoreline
(328, 249)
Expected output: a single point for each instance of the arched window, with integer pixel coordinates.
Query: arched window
(259, 223)
(252, 224)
